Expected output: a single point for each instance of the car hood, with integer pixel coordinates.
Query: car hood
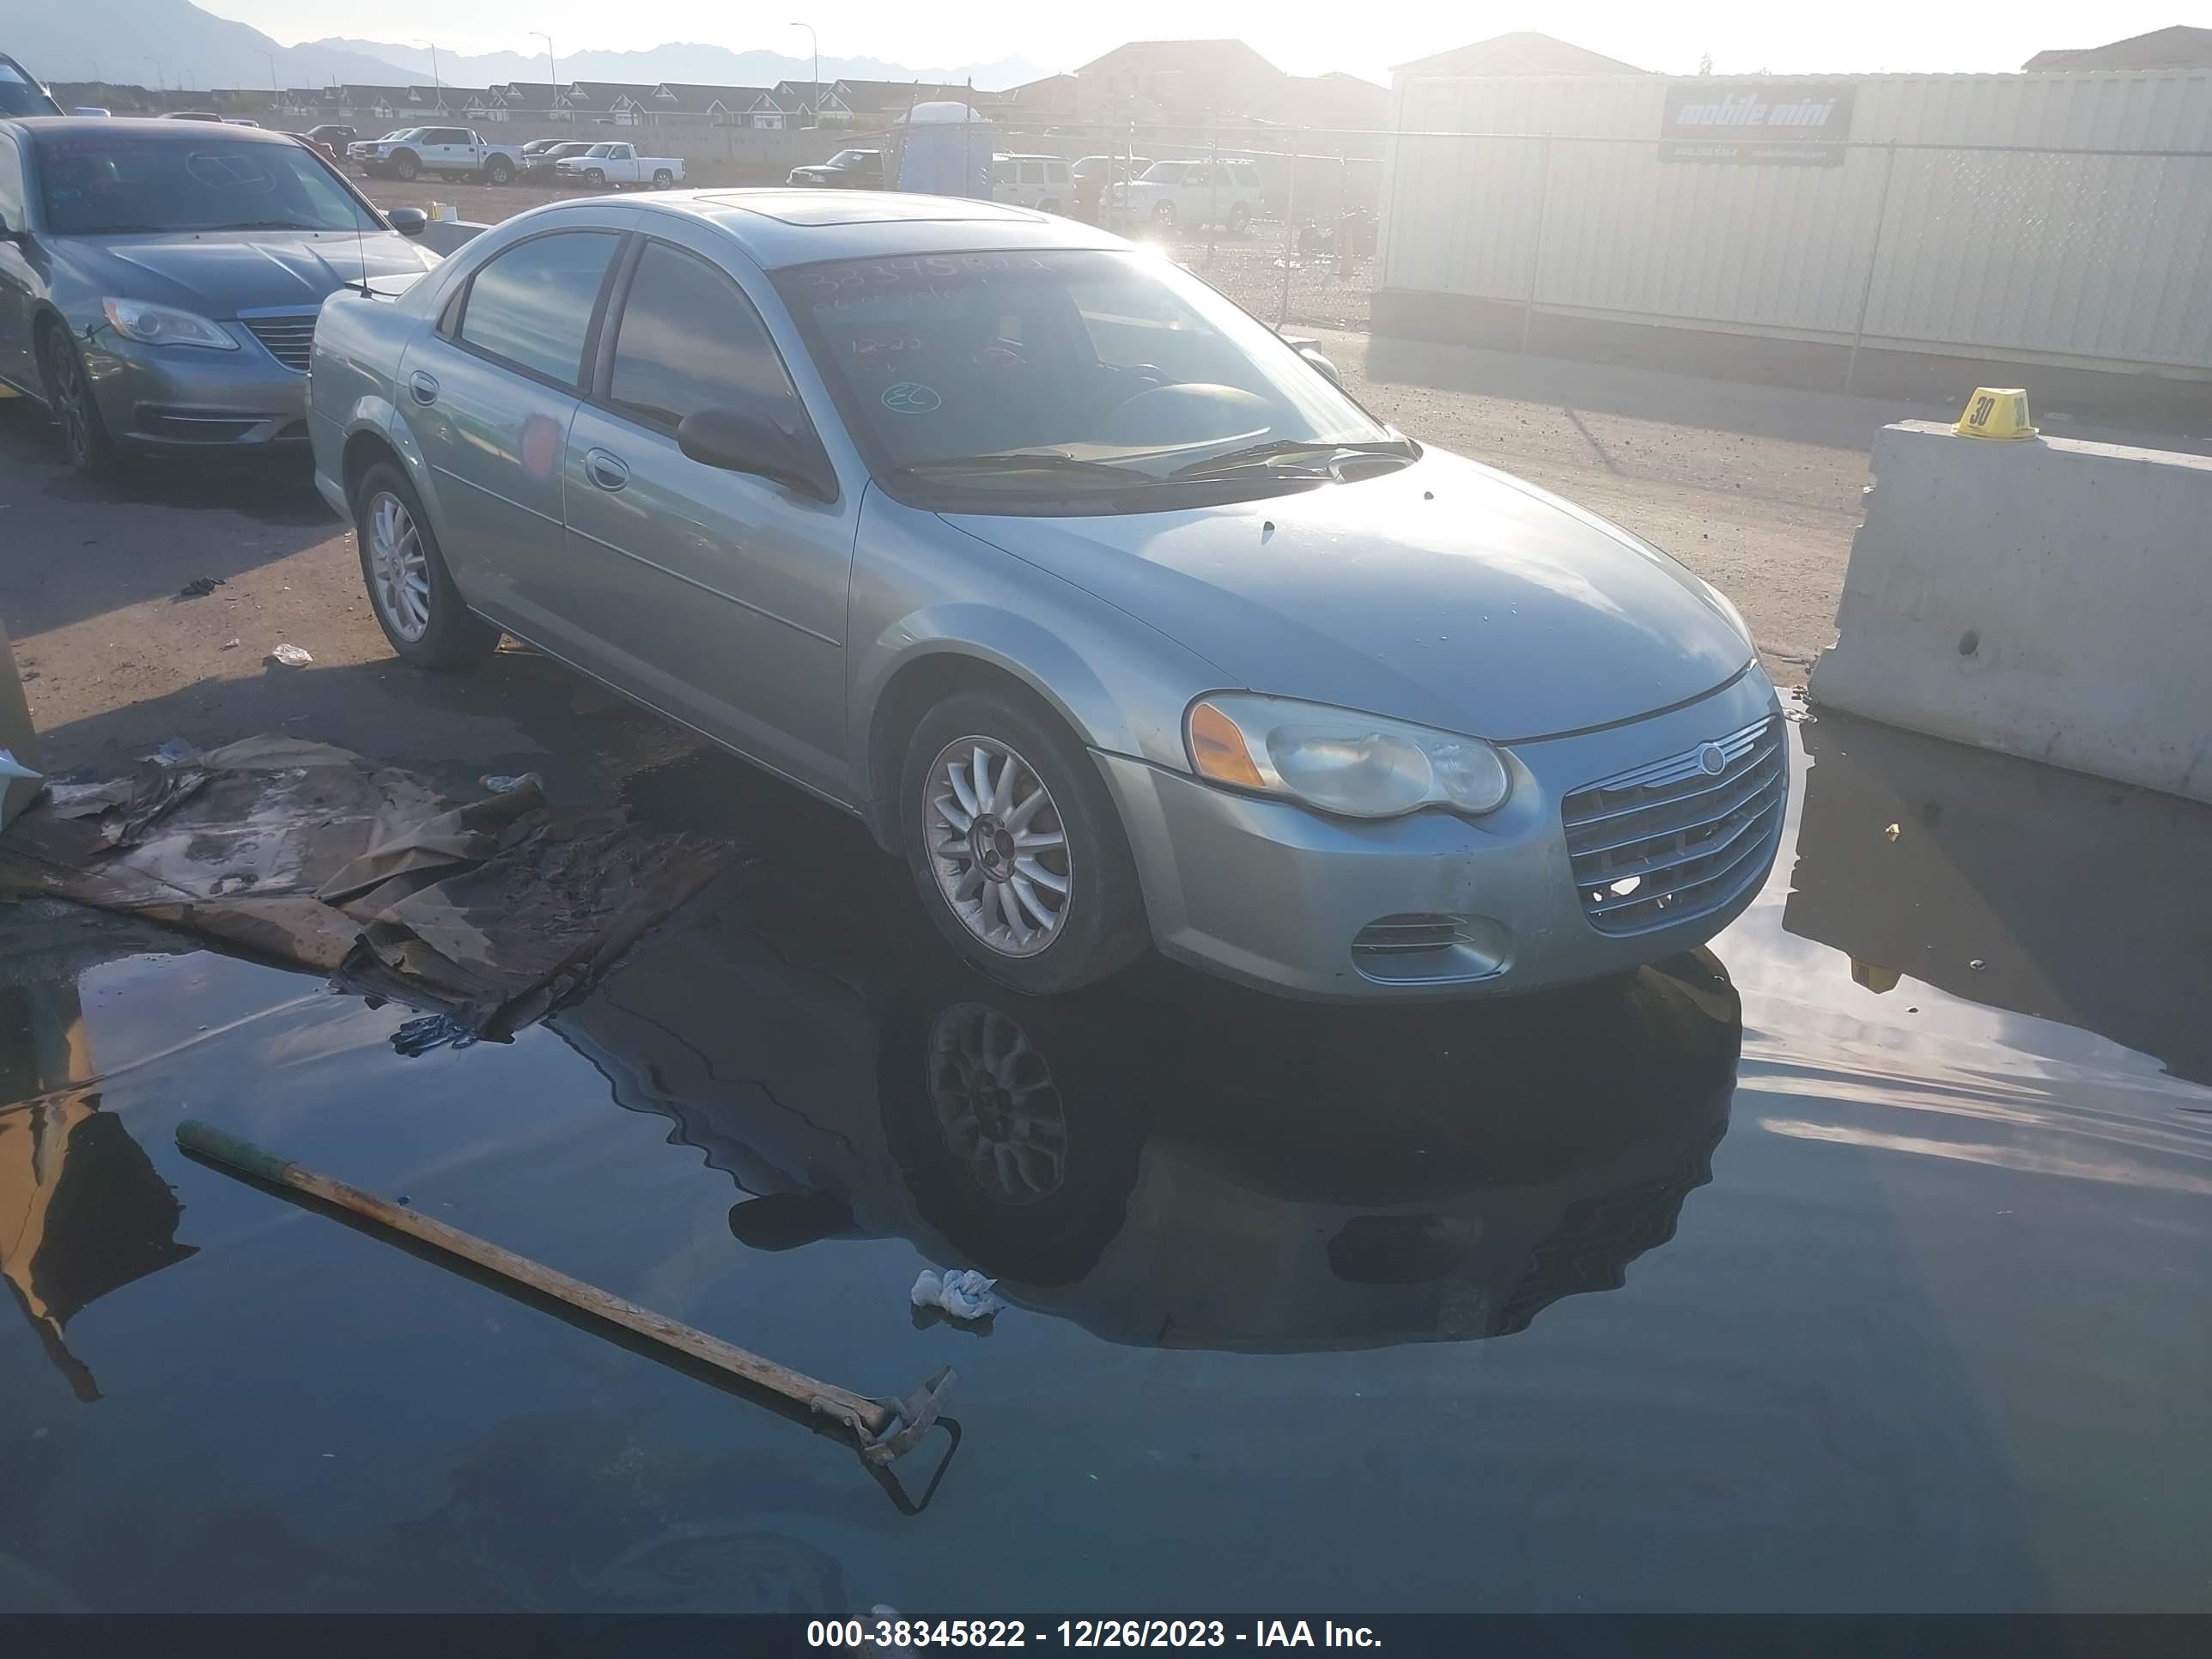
(1446, 592)
(221, 273)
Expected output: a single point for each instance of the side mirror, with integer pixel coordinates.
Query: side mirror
(1313, 354)
(408, 222)
(7, 232)
(736, 441)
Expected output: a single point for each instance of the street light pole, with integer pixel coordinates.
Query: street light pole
(275, 98)
(552, 71)
(437, 84)
(814, 98)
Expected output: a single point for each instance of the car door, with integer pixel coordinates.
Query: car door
(622, 164)
(488, 395)
(717, 597)
(18, 282)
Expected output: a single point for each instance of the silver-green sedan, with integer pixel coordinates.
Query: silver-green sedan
(1104, 607)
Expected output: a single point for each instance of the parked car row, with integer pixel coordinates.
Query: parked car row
(1026, 550)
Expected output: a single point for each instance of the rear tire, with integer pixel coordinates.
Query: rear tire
(91, 449)
(662, 178)
(410, 590)
(1060, 868)
(1050, 204)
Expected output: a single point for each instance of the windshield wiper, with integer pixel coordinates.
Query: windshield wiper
(1023, 460)
(1401, 448)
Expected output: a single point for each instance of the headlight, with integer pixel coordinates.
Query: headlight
(1361, 766)
(160, 325)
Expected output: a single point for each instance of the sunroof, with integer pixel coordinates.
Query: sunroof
(837, 207)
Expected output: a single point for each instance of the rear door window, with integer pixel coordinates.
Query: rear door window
(531, 306)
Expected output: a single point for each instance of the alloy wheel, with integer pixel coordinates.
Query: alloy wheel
(998, 1112)
(997, 845)
(399, 570)
(72, 399)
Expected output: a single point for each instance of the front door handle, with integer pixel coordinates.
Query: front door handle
(608, 470)
(424, 388)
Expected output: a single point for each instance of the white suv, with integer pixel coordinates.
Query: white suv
(1193, 194)
(1043, 182)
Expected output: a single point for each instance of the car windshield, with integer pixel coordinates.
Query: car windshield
(852, 158)
(1106, 375)
(96, 184)
(600, 150)
(19, 97)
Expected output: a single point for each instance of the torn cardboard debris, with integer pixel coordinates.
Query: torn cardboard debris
(489, 911)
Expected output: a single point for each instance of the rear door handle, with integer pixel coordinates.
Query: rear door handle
(424, 388)
(608, 470)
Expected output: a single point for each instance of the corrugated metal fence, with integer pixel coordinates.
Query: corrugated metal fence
(2050, 217)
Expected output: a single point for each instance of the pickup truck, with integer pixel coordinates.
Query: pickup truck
(619, 164)
(449, 152)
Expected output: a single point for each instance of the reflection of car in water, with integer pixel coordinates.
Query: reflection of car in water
(1166, 1159)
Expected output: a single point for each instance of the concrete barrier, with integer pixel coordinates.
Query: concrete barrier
(2048, 598)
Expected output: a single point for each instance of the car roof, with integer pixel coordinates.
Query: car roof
(182, 132)
(795, 227)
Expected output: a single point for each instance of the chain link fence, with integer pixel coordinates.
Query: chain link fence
(2098, 255)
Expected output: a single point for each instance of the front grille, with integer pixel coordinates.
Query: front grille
(1673, 840)
(290, 338)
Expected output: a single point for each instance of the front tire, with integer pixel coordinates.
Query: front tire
(409, 589)
(1240, 217)
(1015, 846)
(92, 449)
(498, 171)
(1164, 215)
(596, 177)
(405, 167)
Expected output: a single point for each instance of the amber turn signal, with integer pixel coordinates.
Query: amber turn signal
(1217, 750)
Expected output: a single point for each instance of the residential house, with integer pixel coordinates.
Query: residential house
(2178, 47)
(714, 105)
(1523, 53)
(624, 103)
(1202, 79)
(533, 101)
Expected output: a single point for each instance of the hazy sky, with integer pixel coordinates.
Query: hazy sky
(1304, 36)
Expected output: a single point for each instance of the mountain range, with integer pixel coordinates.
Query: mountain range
(174, 43)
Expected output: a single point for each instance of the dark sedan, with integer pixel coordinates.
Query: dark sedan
(159, 280)
(540, 156)
(848, 169)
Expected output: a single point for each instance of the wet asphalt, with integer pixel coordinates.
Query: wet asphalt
(1856, 1262)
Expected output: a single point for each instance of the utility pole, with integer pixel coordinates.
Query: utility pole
(814, 98)
(552, 72)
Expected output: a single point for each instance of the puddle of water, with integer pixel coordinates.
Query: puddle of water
(1782, 1276)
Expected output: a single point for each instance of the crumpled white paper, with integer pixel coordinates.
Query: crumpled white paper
(964, 1295)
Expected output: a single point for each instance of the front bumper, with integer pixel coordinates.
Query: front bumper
(172, 399)
(1271, 895)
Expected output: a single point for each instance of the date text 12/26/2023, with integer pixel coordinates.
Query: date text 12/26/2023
(882, 1632)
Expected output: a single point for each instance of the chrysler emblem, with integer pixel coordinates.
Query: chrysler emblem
(1713, 758)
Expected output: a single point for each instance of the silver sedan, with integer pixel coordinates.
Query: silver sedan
(1104, 607)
